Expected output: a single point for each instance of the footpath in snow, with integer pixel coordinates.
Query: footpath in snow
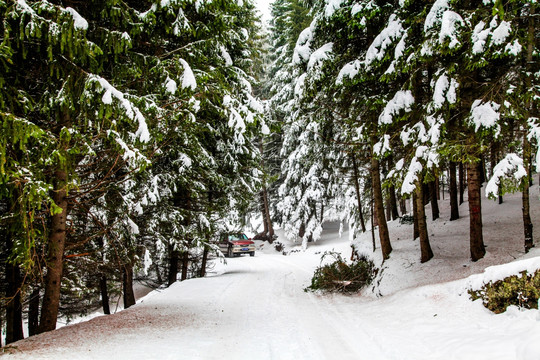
(256, 308)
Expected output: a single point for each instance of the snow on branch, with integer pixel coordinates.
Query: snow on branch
(485, 115)
(450, 23)
(444, 91)
(393, 31)
(321, 54)
(511, 168)
(302, 50)
(131, 111)
(78, 21)
(435, 14)
(402, 100)
(188, 78)
(331, 7)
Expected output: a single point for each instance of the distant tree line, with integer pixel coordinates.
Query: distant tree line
(383, 101)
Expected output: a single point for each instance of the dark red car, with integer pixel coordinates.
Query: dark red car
(235, 244)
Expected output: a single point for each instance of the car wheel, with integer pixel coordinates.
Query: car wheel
(230, 252)
(252, 253)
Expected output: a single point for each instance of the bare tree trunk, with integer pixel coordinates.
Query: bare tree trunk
(173, 265)
(384, 236)
(454, 207)
(129, 294)
(425, 247)
(461, 182)
(204, 262)
(402, 207)
(478, 249)
(269, 227)
(104, 294)
(14, 329)
(416, 231)
(393, 202)
(527, 224)
(358, 195)
(373, 223)
(185, 263)
(33, 312)
(56, 245)
(434, 203)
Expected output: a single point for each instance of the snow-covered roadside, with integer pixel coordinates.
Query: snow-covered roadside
(255, 308)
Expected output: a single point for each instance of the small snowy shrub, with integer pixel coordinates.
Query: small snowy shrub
(406, 219)
(279, 246)
(339, 276)
(522, 291)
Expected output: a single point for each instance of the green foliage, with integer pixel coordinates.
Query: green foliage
(339, 276)
(522, 291)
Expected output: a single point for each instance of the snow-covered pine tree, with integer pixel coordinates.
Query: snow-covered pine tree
(101, 87)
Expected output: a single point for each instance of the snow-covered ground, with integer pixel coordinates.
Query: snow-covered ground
(256, 308)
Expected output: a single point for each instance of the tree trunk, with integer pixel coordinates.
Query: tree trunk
(373, 224)
(384, 236)
(33, 312)
(158, 274)
(302, 231)
(416, 231)
(129, 295)
(173, 265)
(55, 255)
(14, 329)
(204, 261)
(402, 207)
(454, 207)
(434, 203)
(185, 263)
(478, 249)
(461, 182)
(425, 248)
(104, 294)
(393, 202)
(358, 195)
(527, 224)
(269, 227)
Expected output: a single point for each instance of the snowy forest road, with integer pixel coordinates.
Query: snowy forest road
(256, 309)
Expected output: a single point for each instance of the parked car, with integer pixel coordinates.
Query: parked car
(235, 244)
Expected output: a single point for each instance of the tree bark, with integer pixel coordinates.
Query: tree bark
(425, 247)
(384, 236)
(269, 227)
(14, 328)
(373, 223)
(461, 182)
(33, 312)
(402, 207)
(104, 294)
(129, 294)
(416, 232)
(393, 202)
(477, 247)
(527, 223)
(204, 261)
(173, 265)
(454, 207)
(434, 203)
(185, 263)
(358, 195)
(55, 255)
